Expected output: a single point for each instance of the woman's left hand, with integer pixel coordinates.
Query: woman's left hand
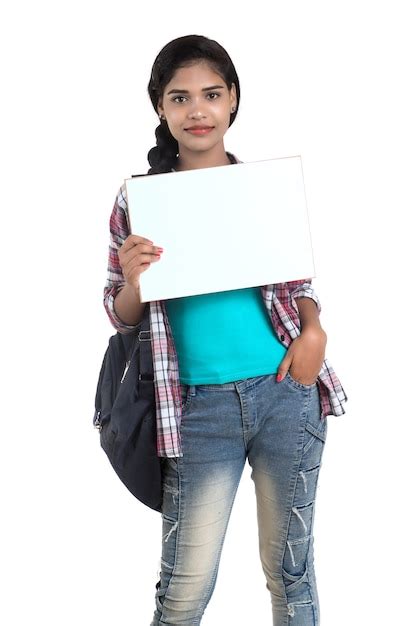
(305, 356)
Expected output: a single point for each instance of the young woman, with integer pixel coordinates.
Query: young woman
(238, 374)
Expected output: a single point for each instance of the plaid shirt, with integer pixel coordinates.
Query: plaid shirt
(280, 301)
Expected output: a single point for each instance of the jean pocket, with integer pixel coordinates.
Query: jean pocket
(296, 383)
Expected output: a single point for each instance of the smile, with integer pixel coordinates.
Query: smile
(200, 131)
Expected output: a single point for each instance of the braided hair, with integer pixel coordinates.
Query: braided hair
(178, 53)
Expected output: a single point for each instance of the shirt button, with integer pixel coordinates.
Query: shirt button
(281, 337)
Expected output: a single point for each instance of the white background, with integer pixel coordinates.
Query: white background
(332, 81)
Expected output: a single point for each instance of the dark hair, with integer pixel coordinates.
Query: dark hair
(182, 52)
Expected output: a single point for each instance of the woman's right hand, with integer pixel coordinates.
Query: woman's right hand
(135, 256)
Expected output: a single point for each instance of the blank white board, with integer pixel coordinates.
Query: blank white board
(222, 228)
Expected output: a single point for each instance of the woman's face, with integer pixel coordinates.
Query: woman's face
(188, 101)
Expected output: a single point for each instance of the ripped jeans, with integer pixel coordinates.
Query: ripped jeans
(279, 427)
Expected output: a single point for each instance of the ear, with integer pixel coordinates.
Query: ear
(233, 96)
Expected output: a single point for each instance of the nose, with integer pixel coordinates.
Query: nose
(196, 111)
(196, 114)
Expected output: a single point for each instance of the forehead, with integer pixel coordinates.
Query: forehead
(194, 77)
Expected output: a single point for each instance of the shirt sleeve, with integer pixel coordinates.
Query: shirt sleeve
(303, 289)
(119, 231)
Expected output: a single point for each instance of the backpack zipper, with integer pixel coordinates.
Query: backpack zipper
(128, 362)
(96, 420)
(97, 414)
(125, 370)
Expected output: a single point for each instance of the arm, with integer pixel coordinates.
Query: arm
(307, 303)
(122, 303)
(308, 313)
(307, 352)
(303, 289)
(128, 306)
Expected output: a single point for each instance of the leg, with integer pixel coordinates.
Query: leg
(285, 455)
(199, 491)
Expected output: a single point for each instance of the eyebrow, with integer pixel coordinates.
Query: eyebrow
(204, 89)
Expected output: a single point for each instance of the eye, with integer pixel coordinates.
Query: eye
(212, 93)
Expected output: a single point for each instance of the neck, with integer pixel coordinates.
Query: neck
(201, 160)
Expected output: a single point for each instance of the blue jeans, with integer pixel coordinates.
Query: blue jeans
(278, 426)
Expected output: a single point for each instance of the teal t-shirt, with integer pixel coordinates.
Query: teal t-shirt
(224, 336)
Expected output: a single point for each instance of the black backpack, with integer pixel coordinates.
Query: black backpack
(125, 413)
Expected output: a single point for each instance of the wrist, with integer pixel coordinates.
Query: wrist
(314, 329)
(132, 290)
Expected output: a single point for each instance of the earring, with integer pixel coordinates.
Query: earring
(233, 110)
(161, 117)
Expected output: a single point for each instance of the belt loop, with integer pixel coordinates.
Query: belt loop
(192, 390)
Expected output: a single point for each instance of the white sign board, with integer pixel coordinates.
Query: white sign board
(222, 228)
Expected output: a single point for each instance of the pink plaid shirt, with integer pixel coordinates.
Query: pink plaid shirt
(280, 301)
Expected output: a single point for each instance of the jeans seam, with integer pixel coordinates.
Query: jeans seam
(176, 540)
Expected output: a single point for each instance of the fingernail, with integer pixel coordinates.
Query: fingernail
(279, 377)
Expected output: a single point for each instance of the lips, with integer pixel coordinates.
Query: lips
(198, 127)
(199, 130)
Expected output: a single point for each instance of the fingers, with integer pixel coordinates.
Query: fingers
(136, 255)
(282, 370)
(143, 251)
(135, 245)
(141, 261)
(132, 240)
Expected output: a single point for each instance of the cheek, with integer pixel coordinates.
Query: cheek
(221, 116)
(223, 109)
(176, 117)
